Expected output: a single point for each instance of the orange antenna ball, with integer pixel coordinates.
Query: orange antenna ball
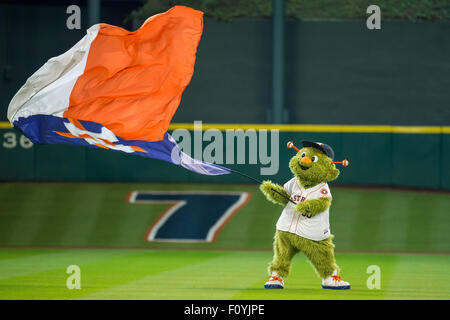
(290, 145)
(344, 162)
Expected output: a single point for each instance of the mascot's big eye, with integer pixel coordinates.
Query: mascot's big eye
(315, 158)
(303, 154)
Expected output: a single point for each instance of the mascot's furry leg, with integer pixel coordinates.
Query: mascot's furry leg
(284, 251)
(280, 267)
(319, 253)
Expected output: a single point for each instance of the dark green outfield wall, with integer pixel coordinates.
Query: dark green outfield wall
(343, 73)
(337, 72)
(387, 159)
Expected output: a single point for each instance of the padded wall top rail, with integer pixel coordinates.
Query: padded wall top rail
(306, 127)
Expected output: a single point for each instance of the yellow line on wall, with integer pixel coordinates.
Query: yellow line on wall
(283, 127)
(446, 130)
(318, 128)
(305, 128)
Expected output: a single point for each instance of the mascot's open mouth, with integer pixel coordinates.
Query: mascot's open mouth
(304, 168)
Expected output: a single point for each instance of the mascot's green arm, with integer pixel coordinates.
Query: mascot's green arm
(267, 187)
(310, 208)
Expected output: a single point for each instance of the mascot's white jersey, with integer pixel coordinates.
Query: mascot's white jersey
(316, 228)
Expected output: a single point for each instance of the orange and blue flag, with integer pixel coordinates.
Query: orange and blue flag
(116, 90)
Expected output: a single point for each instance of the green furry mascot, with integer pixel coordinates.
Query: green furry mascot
(304, 226)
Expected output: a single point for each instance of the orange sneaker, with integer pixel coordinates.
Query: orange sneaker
(274, 282)
(335, 282)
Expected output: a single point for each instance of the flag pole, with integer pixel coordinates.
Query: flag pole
(260, 182)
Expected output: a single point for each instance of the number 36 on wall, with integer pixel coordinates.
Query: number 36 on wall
(12, 139)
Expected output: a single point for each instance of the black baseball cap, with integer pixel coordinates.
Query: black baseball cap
(320, 146)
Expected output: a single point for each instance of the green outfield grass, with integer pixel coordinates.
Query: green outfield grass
(45, 227)
(223, 275)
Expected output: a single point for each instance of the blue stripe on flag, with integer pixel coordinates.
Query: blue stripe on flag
(48, 129)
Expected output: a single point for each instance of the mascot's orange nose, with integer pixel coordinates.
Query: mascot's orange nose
(306, 160)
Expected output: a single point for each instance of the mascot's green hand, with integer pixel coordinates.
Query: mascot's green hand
(310, 208)
(303, 208)
(268, 189)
